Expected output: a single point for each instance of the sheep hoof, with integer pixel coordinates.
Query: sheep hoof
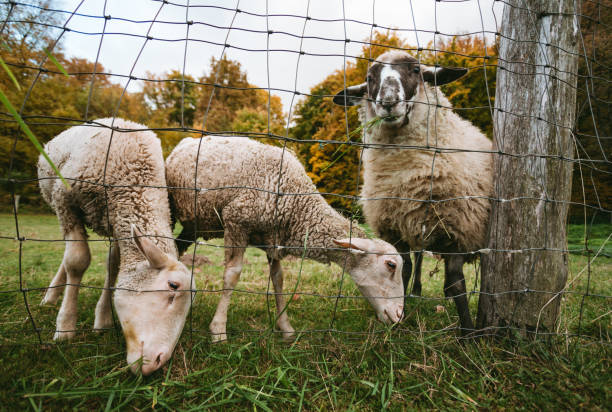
(289, 336)
(102, 323)
(218, 338)
(60, 336)
(103, 318)
(50, 298)
(288, 333)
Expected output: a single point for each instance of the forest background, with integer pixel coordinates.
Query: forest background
(177, 106)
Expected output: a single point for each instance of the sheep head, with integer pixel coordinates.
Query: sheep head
(392, 87)
(376, 268)
(152, 302)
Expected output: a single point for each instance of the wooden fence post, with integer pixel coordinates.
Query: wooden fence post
(535, 107)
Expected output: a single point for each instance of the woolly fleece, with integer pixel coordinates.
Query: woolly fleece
(134, 161)
(240, 179)
(449, 161)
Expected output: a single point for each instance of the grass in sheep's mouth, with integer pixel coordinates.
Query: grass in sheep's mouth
(390, 118)
(367, 126)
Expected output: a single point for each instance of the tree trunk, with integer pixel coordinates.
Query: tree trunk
(535, 106)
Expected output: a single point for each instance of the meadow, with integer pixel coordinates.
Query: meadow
(342, 358)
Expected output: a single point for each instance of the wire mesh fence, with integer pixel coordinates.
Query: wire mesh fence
(329, 143)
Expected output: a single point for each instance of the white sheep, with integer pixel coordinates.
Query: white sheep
(434, 192)
(131, 164)
(238, 182)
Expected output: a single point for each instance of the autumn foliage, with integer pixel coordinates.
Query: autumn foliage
(223, 100)
(166, 101)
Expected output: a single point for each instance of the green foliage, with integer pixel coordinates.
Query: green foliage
(26, 130)
(166, 101)
(172, 98)
(217, 114)
(592, 182)
(63, 98)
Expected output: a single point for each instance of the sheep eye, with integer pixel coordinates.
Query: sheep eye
(416, 69)
(173, 286)
(391, 265)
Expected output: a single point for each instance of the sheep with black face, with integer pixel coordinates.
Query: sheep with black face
(427, 171)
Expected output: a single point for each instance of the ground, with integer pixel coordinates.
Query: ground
(345, 360)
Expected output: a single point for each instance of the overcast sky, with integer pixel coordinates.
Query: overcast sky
(119, 50)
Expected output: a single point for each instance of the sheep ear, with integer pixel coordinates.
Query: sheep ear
(156, 257)
(442, 75)
(351, 96)
(355, 245)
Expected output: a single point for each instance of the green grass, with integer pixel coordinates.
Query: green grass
(598, 237)
(361, 365)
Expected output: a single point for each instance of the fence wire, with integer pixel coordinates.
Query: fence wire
(592, 87)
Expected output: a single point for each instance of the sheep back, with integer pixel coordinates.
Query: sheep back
(134, 159)
(238, 179)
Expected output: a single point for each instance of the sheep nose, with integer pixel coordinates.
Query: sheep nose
(388, 104)
(153, 365)
(400, 312)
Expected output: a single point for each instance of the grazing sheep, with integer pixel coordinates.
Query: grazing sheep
(238, 180)
(444, 179)
(152, 322)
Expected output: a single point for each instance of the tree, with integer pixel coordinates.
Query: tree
(232, 94)
(473, 95)
(532, 121)
(55, 102)
(172, 103)
(593, 126)
(172, 98)
(255, 120)
(236, 105)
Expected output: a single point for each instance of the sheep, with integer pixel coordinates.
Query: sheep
(238, 182)
(444, 179)
(133, 207)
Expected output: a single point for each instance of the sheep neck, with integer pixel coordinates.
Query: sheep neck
(151, 218)
(319, 230)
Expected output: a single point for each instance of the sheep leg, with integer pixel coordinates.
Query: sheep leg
(233, 266)
(454, 286)
(404, 251)
(56, 287)
(185, 239)
(104, 317)
(282, 319)
(418, 263)
(76, 261)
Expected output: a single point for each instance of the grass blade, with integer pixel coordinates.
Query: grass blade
(31, 136)
(56, 63)
(10, 74)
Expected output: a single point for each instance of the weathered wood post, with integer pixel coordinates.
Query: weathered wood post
(535, 106)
